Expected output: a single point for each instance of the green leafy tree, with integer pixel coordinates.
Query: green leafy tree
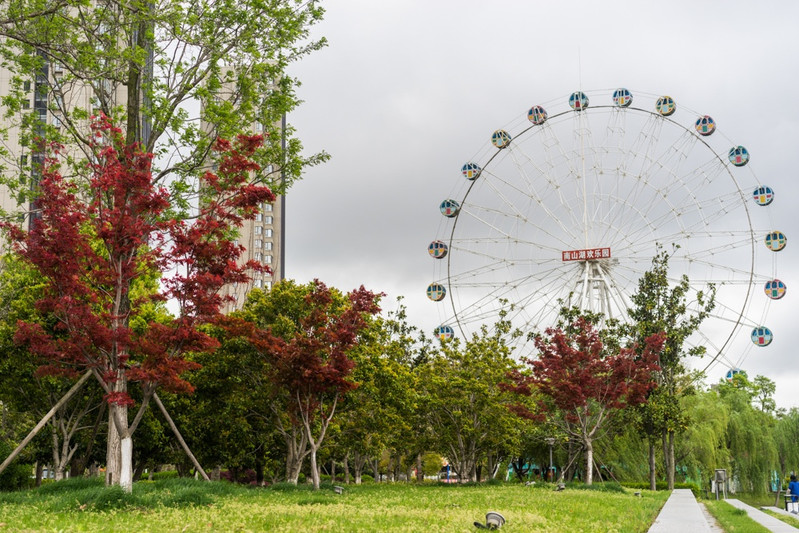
(306, 343)
(26, 390)
(750, 436)
(377, 415)
(463, 399)
(149, 64)
(662, 307)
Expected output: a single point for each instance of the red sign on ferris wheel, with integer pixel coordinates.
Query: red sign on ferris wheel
(592, 254)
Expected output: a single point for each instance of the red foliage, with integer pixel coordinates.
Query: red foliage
(91, 246)
(576, 374)
(313, 364)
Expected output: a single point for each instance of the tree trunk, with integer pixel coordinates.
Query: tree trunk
(259, 471)
(314, 469)
(652, 471)
(419, 468)
(665, 445)
(126, 463)
(113, 451)
(82, 463)
(376, 470)
(672, 465)
(139, 470)
(589, 462)
(39, 472)
(293, 465)
(359, 461)
(390, 469)
(346, 467)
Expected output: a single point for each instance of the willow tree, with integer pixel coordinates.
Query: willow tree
(661, 306)
(750, 436)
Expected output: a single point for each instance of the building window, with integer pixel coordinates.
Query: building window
(26, 104)
(267, 207)
(268, 259)
(269, 285)
(26, 86)
(267, 245)
(258, 283)
(258, 217)
(268, 232)
(258, 243)
(267, 220)
(258, 230)
(259, 256)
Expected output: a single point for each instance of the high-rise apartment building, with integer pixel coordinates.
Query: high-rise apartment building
(47, 96)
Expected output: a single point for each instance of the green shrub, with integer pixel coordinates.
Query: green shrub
(366, 478)
(166, 474)
(662, 485)
(17, 475)
(603, 486)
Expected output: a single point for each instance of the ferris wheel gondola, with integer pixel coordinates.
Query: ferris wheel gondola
(568, 207)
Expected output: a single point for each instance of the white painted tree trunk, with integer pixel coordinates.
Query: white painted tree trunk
(589, 462)
(119, 456)
(126, 464)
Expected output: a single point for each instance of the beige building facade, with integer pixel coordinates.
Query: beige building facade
(48, 95)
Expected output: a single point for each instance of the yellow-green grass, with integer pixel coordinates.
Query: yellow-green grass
(732, 519)
(790, 520)
(182, 505)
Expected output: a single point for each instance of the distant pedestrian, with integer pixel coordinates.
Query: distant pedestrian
(793, 490)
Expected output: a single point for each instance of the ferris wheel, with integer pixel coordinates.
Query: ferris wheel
(568, 205)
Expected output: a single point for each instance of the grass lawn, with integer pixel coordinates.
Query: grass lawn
(732, 519)
(188, 505)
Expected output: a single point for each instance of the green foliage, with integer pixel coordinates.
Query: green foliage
(662, 485)
(165, 474)
(605, 486)
(17, 476)
(464, 402)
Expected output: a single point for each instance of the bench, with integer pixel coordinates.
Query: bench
(789, 503)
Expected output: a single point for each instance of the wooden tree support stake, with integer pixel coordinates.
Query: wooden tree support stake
(44, 420)
(185, 446)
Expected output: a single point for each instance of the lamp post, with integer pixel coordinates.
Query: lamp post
(551, 442)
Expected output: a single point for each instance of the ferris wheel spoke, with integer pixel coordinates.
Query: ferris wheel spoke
(533, 193)
(573, 210)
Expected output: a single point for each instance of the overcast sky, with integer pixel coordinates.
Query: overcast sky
(408, 90)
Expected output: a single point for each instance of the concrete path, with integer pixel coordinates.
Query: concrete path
(779, 510)
(767, 521)
(681, 513)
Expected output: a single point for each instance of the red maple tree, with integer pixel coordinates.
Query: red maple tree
(583, 383)
(92, 245)
(310, 367)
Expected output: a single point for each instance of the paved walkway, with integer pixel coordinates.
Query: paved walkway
(768, 521)
(681, 513)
